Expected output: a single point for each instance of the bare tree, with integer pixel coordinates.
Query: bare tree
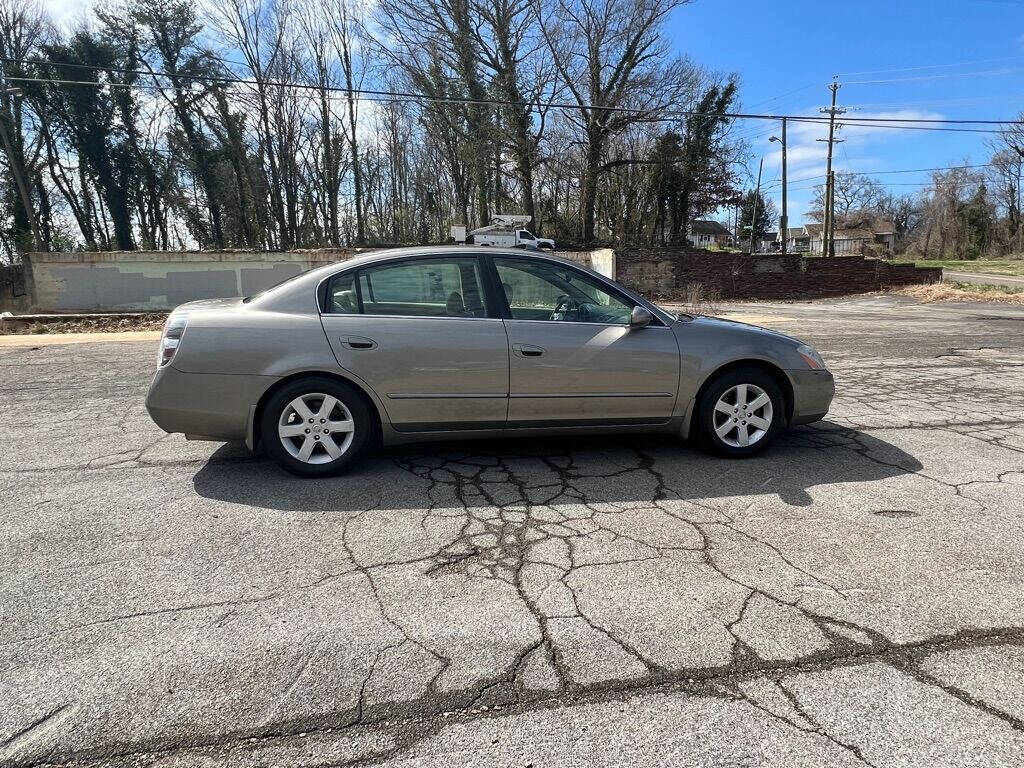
(344, 34)
(855, 194)
(23, 30)
(611, 57)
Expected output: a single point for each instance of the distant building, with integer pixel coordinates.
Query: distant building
(768, 242)
(708, 234)
(854, 234)
(798, 240)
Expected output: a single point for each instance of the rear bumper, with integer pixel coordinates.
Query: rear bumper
(210, 406)
(812, 395)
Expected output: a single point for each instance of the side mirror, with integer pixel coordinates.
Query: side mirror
(639, 318)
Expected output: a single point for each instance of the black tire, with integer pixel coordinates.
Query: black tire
(349, 400)
(705, 425)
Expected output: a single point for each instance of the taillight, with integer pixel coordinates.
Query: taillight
(174, 329)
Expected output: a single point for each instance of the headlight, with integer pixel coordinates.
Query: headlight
(174, 329)
(812, 358)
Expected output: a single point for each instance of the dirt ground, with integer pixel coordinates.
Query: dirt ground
(112, 324)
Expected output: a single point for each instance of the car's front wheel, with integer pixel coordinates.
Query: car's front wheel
(315, 427)
(740, 413)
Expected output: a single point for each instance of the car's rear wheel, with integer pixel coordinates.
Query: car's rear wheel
(315, 427)
(740, 413)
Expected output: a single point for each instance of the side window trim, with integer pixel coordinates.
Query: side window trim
(325, 293)
(357, 279)
(492, 286)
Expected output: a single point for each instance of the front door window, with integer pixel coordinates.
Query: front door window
(542, 290)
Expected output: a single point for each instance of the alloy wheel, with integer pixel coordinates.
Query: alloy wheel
(743, 415)
(316, 428)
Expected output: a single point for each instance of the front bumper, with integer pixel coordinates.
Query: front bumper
(209, 406)
(812, 395)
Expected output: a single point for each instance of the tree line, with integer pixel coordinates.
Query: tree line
(965, 212)
(283, 124)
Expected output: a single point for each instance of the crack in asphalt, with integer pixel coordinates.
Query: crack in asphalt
(526, 519)
(411, 722)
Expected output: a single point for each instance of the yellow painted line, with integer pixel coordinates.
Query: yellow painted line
(45, 339)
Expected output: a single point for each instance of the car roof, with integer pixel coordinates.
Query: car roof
(299, 293)
(441, 250)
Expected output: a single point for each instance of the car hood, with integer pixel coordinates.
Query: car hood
(738, 327)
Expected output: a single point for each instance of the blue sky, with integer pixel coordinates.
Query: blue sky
(939, 58)
(785, 54)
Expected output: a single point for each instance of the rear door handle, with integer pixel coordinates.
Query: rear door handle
(357, 342)
(527, 350)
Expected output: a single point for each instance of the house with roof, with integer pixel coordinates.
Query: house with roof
(709, 234)
(854, 235)
(798, 240)
(768, 242)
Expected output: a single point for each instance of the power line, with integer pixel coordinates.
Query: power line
(923, 170)
(784, 95)
(934, 102)
(881, 122)
(930, 66)
(901, 170)
(860, 122)
(921, 78)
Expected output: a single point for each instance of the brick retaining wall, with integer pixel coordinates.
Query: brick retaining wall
(665, 272)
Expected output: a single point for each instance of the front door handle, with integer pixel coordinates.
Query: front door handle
(527, 350)
(357, 342)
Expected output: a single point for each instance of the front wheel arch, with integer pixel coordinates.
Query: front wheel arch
(776, 373)
(281, 383)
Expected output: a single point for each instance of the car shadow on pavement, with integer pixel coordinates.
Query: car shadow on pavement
(591, 470)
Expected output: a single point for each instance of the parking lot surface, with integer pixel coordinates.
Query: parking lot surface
(852, 597)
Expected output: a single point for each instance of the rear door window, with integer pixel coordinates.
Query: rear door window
(443, 287)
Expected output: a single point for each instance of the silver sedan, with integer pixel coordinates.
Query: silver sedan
(439, 343)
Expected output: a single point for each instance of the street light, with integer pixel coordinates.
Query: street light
(784, 219)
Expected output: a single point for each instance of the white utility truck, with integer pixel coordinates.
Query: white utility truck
(504, 231)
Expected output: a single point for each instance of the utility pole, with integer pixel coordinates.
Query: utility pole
(828, 223)
(757, 196)
(784, 219)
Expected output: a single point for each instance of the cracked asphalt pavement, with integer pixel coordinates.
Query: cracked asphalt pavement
(853, 597)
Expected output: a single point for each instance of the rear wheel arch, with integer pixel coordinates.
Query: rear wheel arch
(371, 404)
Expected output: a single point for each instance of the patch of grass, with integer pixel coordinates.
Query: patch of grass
(928, 294)
(698, 300)
(1012, 267)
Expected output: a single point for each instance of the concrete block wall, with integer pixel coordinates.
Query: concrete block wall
(601, 260)
(157, 280)
(124, 281)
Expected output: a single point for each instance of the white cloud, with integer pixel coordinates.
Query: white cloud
(807, 157)
(67, 13)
